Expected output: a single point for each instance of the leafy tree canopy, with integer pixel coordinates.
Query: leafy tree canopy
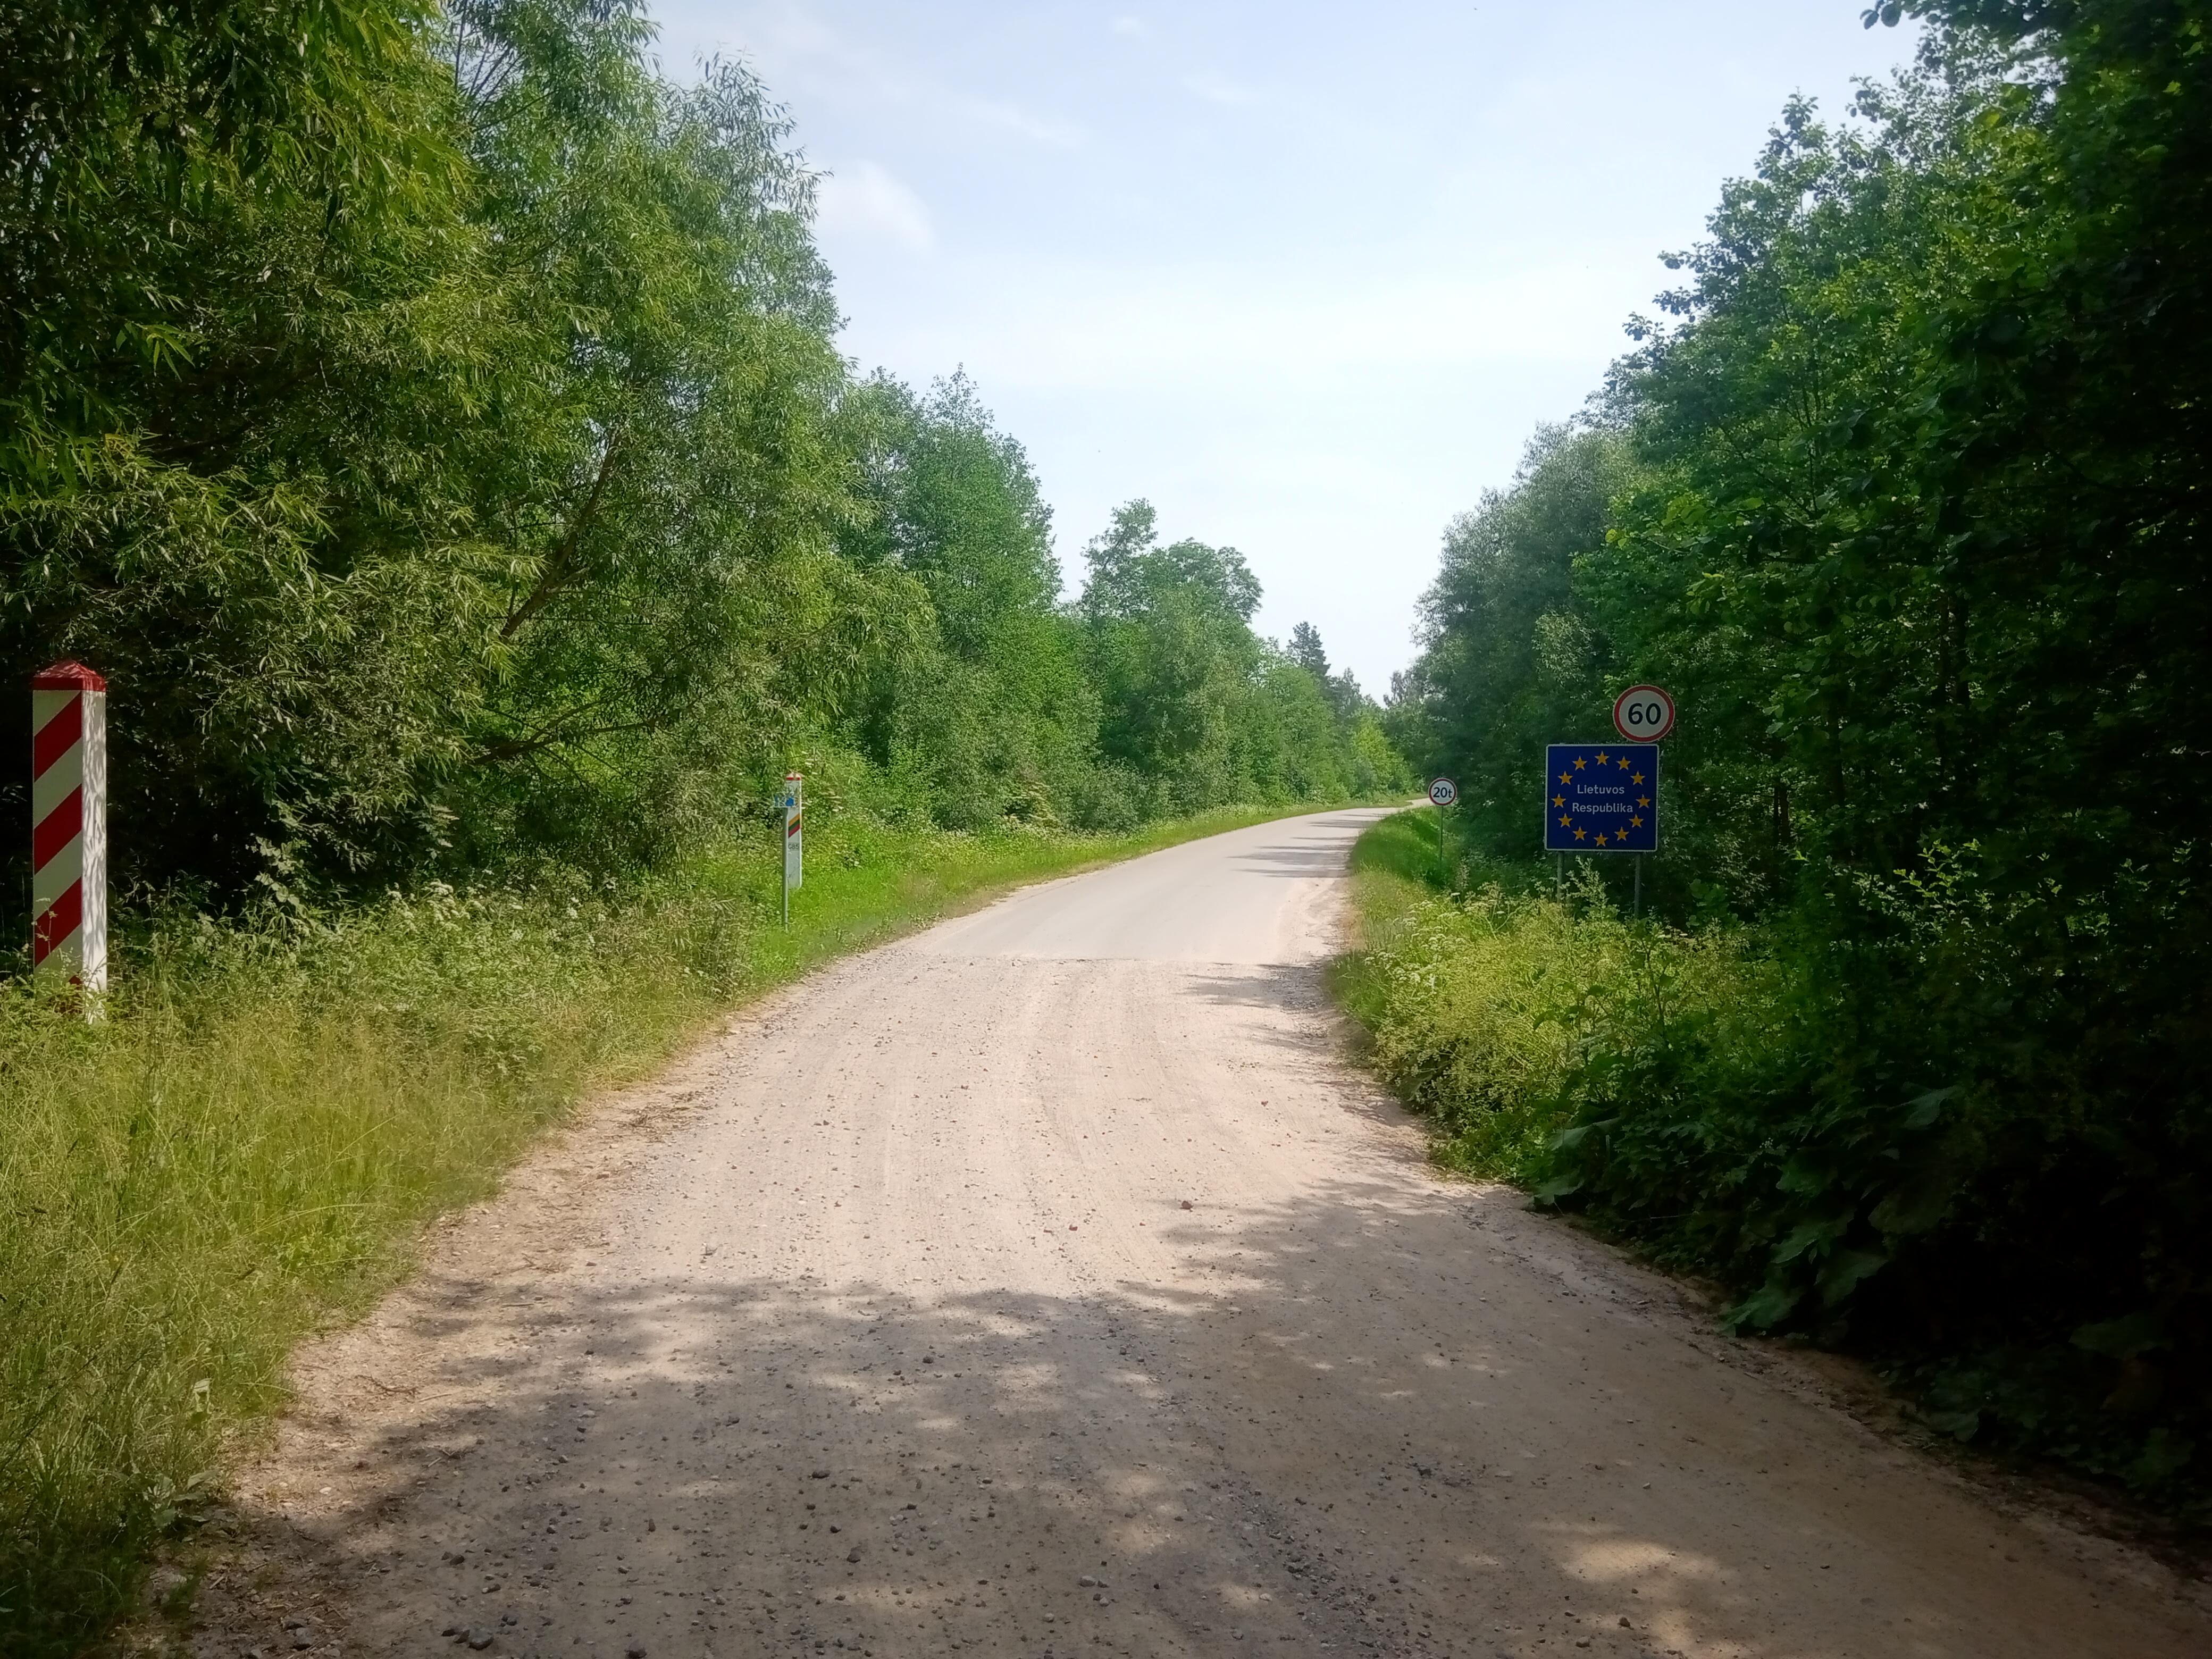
(430, 420)
(1901, 494)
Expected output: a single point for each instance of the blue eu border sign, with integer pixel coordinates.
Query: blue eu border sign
(1601, 798)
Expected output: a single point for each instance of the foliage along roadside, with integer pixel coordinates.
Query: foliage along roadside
(252, 1141)
(1902, 497)
(1675, 1085)
(431, 421)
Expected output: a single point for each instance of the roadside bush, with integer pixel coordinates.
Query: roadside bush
(1823, 1128)
(1506, 1011)
(1900, 494)
(2012, 1227)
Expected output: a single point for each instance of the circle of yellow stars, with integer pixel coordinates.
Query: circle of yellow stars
(1643, 802)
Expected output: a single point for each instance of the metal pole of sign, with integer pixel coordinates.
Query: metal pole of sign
(1639, 885)
(1559, 878)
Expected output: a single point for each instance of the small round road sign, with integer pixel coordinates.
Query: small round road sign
(1443, 791)
(1643, 714)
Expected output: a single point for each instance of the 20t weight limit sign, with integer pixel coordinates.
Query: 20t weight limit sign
(1643, 714)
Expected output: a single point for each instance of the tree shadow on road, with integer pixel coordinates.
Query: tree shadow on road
(1384, 1417)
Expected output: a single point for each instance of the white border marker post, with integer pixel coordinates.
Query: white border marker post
(794, 862)
(68, 826)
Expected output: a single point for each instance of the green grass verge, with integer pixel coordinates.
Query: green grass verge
(1456, 1023)
(1718, 1097)
(249, 1144)
(1495, 1004)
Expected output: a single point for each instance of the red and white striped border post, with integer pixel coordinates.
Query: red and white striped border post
(68, 826)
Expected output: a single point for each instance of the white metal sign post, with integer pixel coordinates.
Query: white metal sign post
(69, 826)
(1643, 714)
(794, 863)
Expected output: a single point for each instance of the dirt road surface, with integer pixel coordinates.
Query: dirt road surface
(1049, 1284)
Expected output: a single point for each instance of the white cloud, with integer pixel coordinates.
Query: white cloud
(1012, 118)
(1315, 338)
(864, 201)
(804, 58)
(1074, 326)
(1219, 89)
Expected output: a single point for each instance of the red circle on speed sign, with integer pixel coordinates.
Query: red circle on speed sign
(1643, 714)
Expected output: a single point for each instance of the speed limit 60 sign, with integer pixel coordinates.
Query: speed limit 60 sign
(1643, 714)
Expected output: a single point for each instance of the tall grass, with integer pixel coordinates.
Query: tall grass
(250, 1140)
(1747, 1102)
(1499, 1005)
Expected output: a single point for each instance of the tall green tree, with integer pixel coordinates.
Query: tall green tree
(1171, 647)
(1512, 655)
(430, 420)
(990, 713)
(1197, 703)
(243, 285)
(458, 458)
(1908, 514)
(671, 473)
(1307, 651)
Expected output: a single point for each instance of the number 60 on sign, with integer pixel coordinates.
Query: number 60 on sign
(1643, 714)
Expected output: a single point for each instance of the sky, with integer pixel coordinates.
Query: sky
(1306, 277)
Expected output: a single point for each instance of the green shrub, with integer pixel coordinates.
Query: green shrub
(1502, 1013)
(1824, 1128)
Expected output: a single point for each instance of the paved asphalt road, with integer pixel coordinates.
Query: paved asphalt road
(1049, 1284)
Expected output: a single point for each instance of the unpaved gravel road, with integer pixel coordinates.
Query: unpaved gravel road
(1046, 1283)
